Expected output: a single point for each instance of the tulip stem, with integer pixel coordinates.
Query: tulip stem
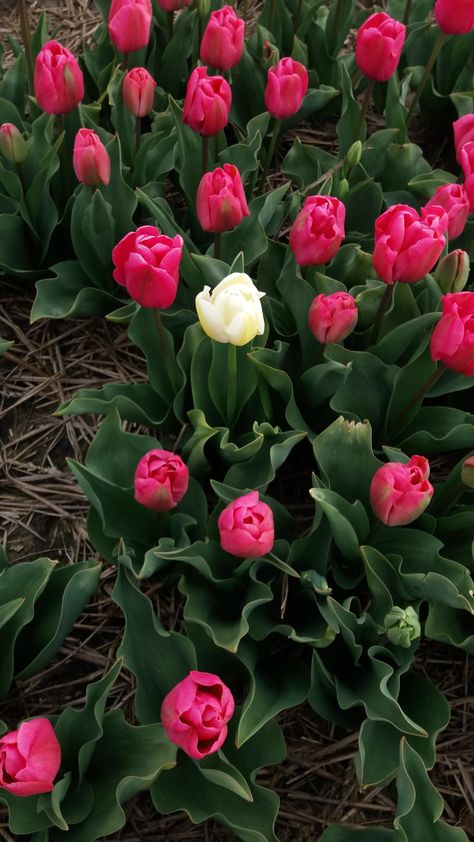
(270, 154)
(296, 21)
(170, 25)
(365, 107)
(383, 307)
(21, 174)
(231, 383)
(422, 391)
(335, 23)
(217, 245)
(126, 57)
(426, 75)
(164, 349)
(406, 16)
(271, 15)
(205, 154)
(26, 35)
(320, 352)
(138, 129)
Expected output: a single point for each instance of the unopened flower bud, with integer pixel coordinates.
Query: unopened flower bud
(354, 154)
(402, 626)
(12, 143)
(452, 273)
(467, 472)
(343, 188)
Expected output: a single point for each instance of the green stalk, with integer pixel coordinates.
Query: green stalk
(422, 391)
(383, 307)
(231, 383)
(406, 16)
(170, 25)
(26, 36)
(270, 154)
(205, 154)
(365, 107)
(217, 245)
(164, 349)
(426, 75)
(138, 125)
(335, 22)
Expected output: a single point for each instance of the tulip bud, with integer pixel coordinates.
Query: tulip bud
(58, 80)
(408, 244)
(452, 340)
(318, 230)
(90, 159)
(138, 91)
(147, 264)
(12, 143)
(454, 17)
(463, 133)
(467, 472)
(354, 154)
(220, 202)
(343, 188)
(400, 491)
(286, 88)
(332, 317)
(232, 312)
(161, 480)
(402, 626)
(246, 527)
(207, 102)
(452, 273)
(195, 713)
(222, 44)
(129, 24)
(379, 45)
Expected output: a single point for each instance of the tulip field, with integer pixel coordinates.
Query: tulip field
(237, 421)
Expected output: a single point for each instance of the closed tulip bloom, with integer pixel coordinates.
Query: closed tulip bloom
(400, 492)
(463, 133)
(161, 480)
(454, 17)
(12, 143)
(452, 340)
(332, 317)
(222, 44)
(246, 527)
(195, 713)
(408, 245)
(220, 200)
(58, 80)
(467, 472)
(30, 758)
(129, 24)
(232, 311)
(452, 271)
(90, 159)
(318, 230)
(287, 84)
(138, 91)
(379, 46)
(147, 264)
(467, 163)
(207, 102)
(455, 202)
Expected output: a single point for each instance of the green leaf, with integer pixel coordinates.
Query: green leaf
(69, 294)
(344, 454)
(158, 659)
(217, 769)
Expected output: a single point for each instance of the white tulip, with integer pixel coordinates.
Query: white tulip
(232, 311)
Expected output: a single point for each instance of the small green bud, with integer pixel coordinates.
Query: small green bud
(12, 143)
(354, 154)
(315, 580)
(203, 7)
(467, 472)
(402, 626)
(343, 188)
(452, 273)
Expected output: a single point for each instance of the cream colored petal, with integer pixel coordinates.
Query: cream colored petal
(211, 320)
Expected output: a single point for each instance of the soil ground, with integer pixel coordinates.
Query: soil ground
(43, 513)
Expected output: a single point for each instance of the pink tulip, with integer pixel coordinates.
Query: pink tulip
(220, 202)
(408, 245)
(29, 758)
(138, 91)
(222, 44)
(207, 102)
(454, 17)
(452, 340)
(379, 46)
(90, 159)
(467, 472)
(246, 527)
(455, 202)
(400, 492)
(58, 80)
(463, 133)
(318, 230)
(287, 84)
(466, 155)
(147, 264)
(161, 480)
(129, 24)
(195, 713)
(332, 317)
